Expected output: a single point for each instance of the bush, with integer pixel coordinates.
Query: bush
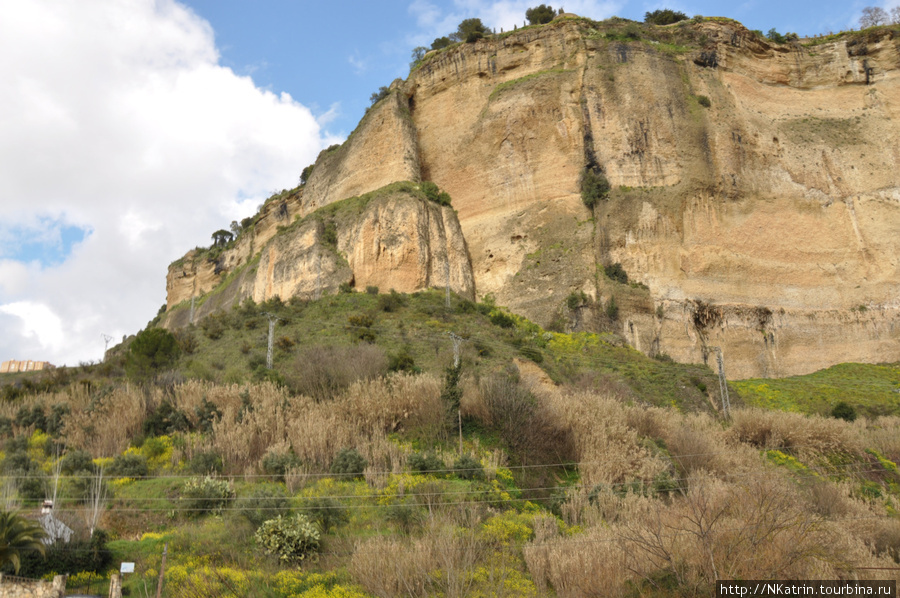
(391, 302)
(612, 309)
(433, 193)
(26, 417)
(616, 272)
(205, 495)
(844, 411)
(348, 462)
(468, 468)
(326, 511)
(150, 351)
(265, 502)
(425, 463)
(207, 415)
(128, 465)
(75, 462)
(164, 420)
(540, 14)
(664, 16)
(502, 319)
(372, 290)
(470, 30)
(292, 539)
(346, 288)
(703, 101)
(594, 187)
(379, 95)
(207, 463)
(441, 42)
(402, 361)
(278, 464)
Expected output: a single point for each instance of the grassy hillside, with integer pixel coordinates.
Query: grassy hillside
(355, 442)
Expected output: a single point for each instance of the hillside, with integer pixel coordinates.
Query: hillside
(753, 190)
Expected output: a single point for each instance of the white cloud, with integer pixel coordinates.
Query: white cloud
(115, 116)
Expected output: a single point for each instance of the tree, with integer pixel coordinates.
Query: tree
(235, 227)
(151, 350)
(540, 14)
(441, 42)
(664, 16)
(379, 95)
(895, 15)
(19, 535)
(469, 31)
(873, 16)
(304, 176)
(418, 54)
(222, 237)
(774, 36)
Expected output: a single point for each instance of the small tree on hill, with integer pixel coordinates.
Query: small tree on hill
(151, 350)
(418, 54)
(873, 16)
(379, 95)
(222, 237)
(441, 42)
(664, 16)
(540, 14)
(895, 15)
(469, 31)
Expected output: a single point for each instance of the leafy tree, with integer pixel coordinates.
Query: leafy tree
(441, 42)
(469, 31)
(895, 15)
(290, 538)
(873, 16)
(379, 95)
(151, 350)
(235, 227)
(304, 176)
(17, 536)
(540, 14)
(222, 237)
(594, 187)
(664, 16)
(418, 54)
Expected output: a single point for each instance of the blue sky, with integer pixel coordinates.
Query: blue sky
(332, 56)
(132, 129)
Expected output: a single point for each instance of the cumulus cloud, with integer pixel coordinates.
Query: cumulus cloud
(117, 119)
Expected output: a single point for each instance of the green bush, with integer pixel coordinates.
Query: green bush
(468, 468)
(576, 299)
(372, 290)
(326, 511)
(441, 42)
(76, 461)
(391, 302)
(425, 463)
(165, 419)
(612, 309)
(502, 319)
(128, 465)
(539, 15)
(402, 361)
(205, 495)
(207, 463)
(405, 515)
(379, 95)
(291, 539)
(664, 16)
(433, 193)
(264, 502)
(207, 415)
(470, 30)
(594, 187)
(348, 462)
(703, 101)
(844, 411)
(278, 464)
(346, 288)
(616, 272)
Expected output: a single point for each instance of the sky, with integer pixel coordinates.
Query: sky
(130, 130)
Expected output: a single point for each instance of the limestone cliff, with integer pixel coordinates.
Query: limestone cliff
(755, 188)
(392, 238)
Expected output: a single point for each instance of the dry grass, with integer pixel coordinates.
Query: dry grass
(805, 435)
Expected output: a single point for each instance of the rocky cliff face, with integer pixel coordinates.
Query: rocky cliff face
(762, 223)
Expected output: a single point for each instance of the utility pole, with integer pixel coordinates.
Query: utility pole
(723, 384)
(106, 339)
(269, 352)
(162, 570)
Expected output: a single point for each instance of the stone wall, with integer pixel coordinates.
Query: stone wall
(18, 587)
